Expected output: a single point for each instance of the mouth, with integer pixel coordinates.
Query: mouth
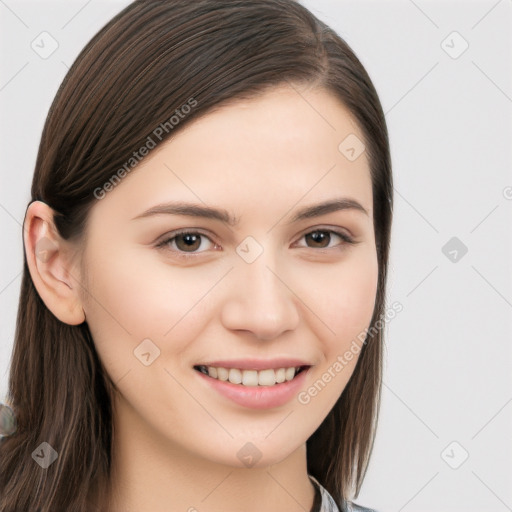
(252, 378)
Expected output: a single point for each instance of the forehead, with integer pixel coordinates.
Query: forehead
(284, 146)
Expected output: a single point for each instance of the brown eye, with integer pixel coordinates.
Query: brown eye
(188, 241)
(322, 238)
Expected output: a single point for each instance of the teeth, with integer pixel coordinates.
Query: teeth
(268, 377)
(222, 373)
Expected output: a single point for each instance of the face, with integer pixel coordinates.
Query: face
(267, 287)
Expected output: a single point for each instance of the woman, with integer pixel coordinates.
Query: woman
(206, 252)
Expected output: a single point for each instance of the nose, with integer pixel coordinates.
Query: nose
(259, 300)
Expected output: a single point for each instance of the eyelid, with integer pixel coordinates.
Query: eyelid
(189, 231)
(344, 233)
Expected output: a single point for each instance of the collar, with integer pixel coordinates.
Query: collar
(328, 504)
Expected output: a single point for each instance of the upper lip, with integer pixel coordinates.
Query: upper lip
(257, 364)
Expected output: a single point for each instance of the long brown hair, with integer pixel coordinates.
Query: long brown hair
(145, 63)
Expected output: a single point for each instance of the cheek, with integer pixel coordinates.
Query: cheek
(132, 298)
(343, 298)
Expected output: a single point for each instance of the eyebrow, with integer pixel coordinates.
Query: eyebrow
(207, 212)
(333, 205)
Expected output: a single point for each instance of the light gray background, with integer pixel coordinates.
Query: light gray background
(448, 374)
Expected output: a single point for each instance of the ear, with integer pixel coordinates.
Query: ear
(50, 262)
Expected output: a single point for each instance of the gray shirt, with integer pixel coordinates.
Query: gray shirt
(329, 505)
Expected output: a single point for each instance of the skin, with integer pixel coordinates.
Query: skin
(176, 439)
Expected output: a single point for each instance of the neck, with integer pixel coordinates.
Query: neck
(150, 473)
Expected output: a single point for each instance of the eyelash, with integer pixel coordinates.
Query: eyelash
(347, 240)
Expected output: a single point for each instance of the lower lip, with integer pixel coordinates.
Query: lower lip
(258, 397)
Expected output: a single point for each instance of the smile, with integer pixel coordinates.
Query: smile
(268, 377)
(254, 396)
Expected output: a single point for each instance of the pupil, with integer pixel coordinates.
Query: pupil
(189, 240)
(319, 237)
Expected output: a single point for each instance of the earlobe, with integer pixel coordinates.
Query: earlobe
(50, 265)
